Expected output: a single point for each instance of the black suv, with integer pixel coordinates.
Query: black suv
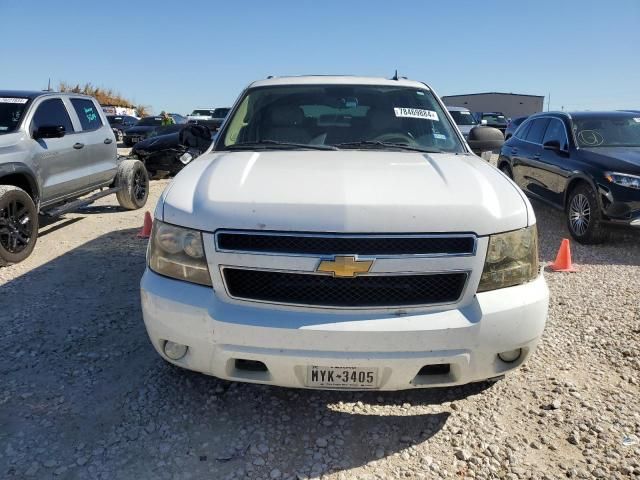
(586, 163)
(119, 123)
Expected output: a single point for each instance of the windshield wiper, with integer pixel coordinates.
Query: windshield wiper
(273, 144)
(376, 144)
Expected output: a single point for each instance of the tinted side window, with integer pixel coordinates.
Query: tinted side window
(87, 113)
(556, 131)
(52, 112)
(522, 130)
(536, 132)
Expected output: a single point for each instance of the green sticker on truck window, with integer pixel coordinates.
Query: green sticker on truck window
(90, 114)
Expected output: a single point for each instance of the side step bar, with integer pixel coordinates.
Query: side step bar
(81, 202)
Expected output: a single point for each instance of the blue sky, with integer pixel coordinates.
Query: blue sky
(200, 53)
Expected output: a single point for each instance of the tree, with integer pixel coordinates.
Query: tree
(105, 96)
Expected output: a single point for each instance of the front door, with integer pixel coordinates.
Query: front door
(56, 159)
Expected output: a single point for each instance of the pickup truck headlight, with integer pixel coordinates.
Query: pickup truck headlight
(178, 252)
(626, 180)
(512, 259)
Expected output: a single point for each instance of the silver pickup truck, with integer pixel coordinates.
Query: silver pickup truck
(57, 153)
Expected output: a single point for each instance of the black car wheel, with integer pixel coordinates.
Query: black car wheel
(133, 181)
(584, 218)
(18, 225)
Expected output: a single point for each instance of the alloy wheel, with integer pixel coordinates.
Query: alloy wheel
(139, 185)
(579, 214)
(15, 226)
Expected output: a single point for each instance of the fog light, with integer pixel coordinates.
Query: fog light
(510, 356)
(175, 351)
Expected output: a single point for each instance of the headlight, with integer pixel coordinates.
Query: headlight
(178, 252)
(512, 259)
(631, 181)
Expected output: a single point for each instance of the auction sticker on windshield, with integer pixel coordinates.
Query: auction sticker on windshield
(342, 377)
(14, 100)
(416, 113)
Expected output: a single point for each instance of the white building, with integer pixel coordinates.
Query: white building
(511, 104)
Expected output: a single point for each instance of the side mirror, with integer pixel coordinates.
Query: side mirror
(483, 122)
(483, 139)
(49, 131)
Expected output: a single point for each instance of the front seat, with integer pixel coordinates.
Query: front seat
(286, 124)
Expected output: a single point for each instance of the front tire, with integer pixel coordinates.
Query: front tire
(18, 225)
(133, 180)
(584, 217)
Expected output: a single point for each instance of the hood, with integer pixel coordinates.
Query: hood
(10, 139)
(159, 142)
(140, 129)
(344, 191)
(617, 159)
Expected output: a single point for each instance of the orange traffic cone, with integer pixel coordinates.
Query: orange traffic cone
(563, 260)
(146, 227)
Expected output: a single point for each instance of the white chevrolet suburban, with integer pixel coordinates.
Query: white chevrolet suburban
(340, 234)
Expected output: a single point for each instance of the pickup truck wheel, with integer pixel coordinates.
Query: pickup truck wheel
(584, 218)
(18, 225)
(133, 180)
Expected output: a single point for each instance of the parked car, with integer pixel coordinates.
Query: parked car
(585, 163)
(352, 240)
(147, 127)
(213, 122)
(512, 126)
(464, 119)
(493, 119)
(119, 123)
(56, 148)
(170, 152)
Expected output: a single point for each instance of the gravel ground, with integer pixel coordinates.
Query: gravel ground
(83, 394)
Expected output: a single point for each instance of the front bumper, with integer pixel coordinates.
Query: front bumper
(468, 339)
(621, 205)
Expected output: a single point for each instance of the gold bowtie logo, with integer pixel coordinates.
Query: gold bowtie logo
(345, 266)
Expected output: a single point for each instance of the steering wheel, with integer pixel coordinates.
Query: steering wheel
(390, 137)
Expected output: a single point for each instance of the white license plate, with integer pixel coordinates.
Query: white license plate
(342, 377)
(135, 139)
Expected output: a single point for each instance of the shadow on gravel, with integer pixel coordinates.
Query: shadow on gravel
(84, 395)
(622, 248)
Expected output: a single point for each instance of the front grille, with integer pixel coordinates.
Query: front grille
(299, 244)
(327, 291)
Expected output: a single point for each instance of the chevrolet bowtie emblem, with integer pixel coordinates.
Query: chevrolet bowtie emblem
(345, 266)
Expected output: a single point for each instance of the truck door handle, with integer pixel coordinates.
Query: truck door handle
(78, 145)
(514, 151)
(107, 141)
(536, 157)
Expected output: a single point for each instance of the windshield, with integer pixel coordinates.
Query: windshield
(607, 131)
(205, 113)
(462, 117)
(149, 122)
(495, 119)
(11, 111)
(340, 116)
(114, 120)
(220, 112)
